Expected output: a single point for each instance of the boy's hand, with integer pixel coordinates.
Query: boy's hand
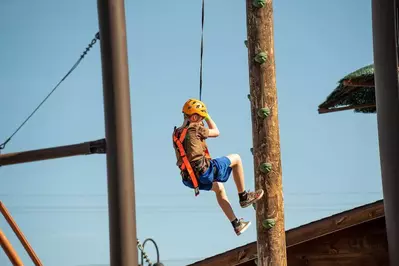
(213, 130)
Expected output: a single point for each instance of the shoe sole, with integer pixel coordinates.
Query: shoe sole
(244, 229)
(255, 200)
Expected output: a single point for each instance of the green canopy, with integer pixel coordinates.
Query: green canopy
(355, 91)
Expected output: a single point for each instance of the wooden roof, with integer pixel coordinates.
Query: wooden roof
(304, 233)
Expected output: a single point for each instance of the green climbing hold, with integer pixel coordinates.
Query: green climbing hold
(261, 57)
(259, 3)
(249, 96)
(264, 112)
(246, 43)
(269, 223)
(265, 167)
(252, 151)
(254, 205)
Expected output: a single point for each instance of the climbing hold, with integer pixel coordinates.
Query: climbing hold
(264, 112)
(261, 57)
(269, 223)
(259, 3)
(249, 96)
(246, 43)
(254, 205)
(252, 151)
(265, 167)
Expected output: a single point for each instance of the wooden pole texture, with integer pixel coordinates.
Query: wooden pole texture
(271, 244)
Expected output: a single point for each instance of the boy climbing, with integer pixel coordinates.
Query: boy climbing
(200, 172)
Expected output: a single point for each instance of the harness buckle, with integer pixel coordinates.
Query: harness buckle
(196, 191)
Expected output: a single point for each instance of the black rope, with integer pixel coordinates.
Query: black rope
(97, 37)
(202, 47)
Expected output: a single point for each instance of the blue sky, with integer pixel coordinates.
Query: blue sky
(330, 162)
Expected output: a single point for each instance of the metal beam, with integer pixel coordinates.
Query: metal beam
(387, 102)
(20, 235)
(86, 148)
(118, 128)
(9, 250)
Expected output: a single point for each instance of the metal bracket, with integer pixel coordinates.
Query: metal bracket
(98, 146)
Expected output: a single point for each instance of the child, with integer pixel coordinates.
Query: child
(210, 174)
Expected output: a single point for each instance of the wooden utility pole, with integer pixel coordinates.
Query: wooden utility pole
(265, 130)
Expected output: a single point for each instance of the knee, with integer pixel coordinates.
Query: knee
(218, 188)
(235, 159)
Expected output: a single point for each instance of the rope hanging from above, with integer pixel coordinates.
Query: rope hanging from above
(202, 47)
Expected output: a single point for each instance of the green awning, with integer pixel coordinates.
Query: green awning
(355, 91)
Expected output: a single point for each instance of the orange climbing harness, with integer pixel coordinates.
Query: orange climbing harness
(186, 166)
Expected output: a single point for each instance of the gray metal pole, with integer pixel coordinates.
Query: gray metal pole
(118, 129)
(86, 148)
(387, 102)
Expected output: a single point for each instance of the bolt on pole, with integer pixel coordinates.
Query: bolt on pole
(118, 129)
(271, 246)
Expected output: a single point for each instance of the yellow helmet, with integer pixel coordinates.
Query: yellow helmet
(194, 106)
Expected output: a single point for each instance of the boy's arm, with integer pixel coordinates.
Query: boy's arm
(213, 129)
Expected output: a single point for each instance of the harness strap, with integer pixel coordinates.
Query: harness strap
(207, 155)
(186, 164)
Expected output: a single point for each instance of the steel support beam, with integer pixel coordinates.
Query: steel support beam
(86, 148)
(20, 235)
(387, 103)
(9, 250)
(118, 128)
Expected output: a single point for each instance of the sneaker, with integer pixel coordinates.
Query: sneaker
(252, 198)
(243, 225)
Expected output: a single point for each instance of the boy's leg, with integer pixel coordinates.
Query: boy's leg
(239, 225)
(223, 201)
(238, 171)
(246, 198)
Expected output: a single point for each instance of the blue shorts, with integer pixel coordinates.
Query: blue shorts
(219, 171)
